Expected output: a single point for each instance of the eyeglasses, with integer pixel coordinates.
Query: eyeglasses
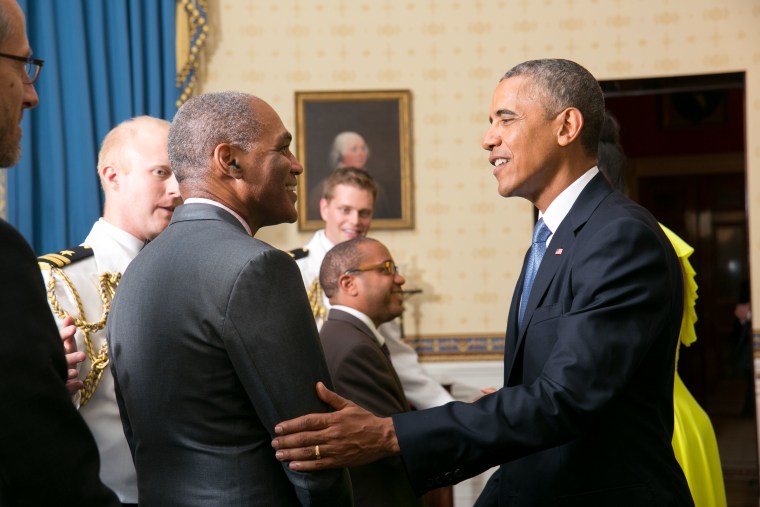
(389, 267)
(33, 66)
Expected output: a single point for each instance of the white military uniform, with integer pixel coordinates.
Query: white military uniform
(113, 250)
(420, 388)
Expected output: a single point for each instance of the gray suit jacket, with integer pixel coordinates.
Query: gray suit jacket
(212, 343)
(364, 374)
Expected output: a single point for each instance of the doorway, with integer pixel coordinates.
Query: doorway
(684, 140)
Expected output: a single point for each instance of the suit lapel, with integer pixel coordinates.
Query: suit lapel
(558, 251)
(336, 314)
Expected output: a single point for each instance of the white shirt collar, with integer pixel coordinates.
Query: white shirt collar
(362, 317)
(561, 205)
(114, 247)
(325, 243)
(121, 236)
(202, 200)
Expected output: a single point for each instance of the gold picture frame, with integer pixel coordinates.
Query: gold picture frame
(382, 120)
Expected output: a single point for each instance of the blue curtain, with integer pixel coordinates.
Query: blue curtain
(105, 61)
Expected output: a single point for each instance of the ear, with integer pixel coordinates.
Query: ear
(110, 177)
(347, 285)
(225, 161)
(570, 122)
(323, 209)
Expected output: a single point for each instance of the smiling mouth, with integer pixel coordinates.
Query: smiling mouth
(500, 161)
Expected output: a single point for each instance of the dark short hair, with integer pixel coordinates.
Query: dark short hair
(561, 84)
(206, 121)
(351, 176)
(610, 156)
(338, 260)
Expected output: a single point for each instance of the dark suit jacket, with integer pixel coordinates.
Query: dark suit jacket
(47, 454)
(586, 414)
(364, 374)
(212, 343)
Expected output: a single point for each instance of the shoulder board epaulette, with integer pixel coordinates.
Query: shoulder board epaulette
(299, 253)
(66, 257)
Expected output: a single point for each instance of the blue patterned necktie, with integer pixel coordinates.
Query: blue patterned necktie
(537, 250)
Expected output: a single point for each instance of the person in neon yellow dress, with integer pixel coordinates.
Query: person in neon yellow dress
(694, 443)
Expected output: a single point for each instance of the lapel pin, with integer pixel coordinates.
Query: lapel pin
(558, 251)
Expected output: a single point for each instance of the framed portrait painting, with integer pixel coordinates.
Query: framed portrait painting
(370, 130)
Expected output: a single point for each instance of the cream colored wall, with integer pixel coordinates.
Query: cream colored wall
(468, 243)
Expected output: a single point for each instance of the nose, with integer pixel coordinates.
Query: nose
(353, 217)
(31, 99)
(172, 187)
(399, 279)
(490, 140)
(295, 165)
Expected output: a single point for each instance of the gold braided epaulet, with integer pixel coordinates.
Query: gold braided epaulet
(317, 301)
(65, 257)
(107, 283)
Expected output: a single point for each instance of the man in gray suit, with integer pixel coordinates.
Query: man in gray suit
(211, 336)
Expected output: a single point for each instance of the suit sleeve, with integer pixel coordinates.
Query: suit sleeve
(274, 346)
(592, 340)
(47, 454)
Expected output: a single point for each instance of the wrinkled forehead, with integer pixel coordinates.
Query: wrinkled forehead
(514, 94)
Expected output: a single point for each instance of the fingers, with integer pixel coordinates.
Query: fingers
(73, 384)
(312, 422)
(304, 459)
(305, 423)
(74, 358)
(68, 330)
(330, 397)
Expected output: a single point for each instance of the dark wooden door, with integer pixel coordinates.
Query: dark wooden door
(707, 210)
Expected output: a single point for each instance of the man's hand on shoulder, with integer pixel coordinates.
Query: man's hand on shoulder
(350, 436)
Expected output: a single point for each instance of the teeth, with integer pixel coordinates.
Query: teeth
(499, 161)
(292, 188)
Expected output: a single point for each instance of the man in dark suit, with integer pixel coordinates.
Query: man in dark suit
(47, 454)
(585, 416)
(364, 287)
(211, 337)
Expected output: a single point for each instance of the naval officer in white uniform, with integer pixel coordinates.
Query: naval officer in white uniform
(140, 196)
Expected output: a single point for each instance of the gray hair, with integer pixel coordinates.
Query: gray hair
(338, 260)
(5, 25)
(339, 144)
(203, 123)
(560, 84)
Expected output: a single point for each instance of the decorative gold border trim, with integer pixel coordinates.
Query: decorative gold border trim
(458, 347)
